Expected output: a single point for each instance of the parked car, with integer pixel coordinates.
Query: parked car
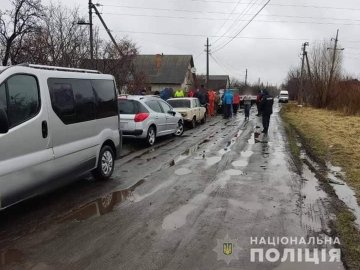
(56, 124)
(190, 109)
(284, 96)
(148, 117)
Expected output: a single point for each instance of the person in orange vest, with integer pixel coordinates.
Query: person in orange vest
(212, 95)
(236, 102)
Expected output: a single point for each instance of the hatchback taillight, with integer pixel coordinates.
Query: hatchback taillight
(141, 117)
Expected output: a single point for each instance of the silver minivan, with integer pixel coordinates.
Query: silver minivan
(56, 124)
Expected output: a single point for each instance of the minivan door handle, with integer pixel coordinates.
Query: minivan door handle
(44, 129)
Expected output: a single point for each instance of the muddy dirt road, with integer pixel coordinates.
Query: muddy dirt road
(172, 206)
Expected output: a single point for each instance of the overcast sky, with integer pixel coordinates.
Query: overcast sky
(267, 47)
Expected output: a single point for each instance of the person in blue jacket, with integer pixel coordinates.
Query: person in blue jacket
(228, 99)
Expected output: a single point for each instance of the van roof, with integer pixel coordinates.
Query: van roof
(54, 71)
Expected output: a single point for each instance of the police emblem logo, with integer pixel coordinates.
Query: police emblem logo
(227, 249)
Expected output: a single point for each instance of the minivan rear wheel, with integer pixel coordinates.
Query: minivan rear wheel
(106, 163)
(151, 136)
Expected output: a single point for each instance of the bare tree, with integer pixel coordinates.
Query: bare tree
(321, 61)
(109, 59)
(15, 24)
(64, 42)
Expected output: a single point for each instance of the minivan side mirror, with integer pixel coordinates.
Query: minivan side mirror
(4, 122)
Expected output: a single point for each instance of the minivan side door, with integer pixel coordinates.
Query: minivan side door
(73, 126)
(26, 151)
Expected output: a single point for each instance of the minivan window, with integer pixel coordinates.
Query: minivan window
(3, 103)
(84, 99)
(23, 99)
(106, 98)
(62, 100)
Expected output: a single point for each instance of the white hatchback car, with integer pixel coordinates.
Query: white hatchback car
(190, 109)
(148, 117)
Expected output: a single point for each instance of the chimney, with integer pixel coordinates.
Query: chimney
(158, 61)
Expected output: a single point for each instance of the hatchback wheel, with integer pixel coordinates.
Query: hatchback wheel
(106, 162)
(151, 136)
(180, 129)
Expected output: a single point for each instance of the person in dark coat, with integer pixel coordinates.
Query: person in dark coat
(266, 108)
(258, 100)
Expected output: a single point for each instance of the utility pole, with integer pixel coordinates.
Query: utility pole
(301, 90)
(90, 24)
(246, 75)
(333, 59)
(91, 31)
(107, 29)
(207, 61)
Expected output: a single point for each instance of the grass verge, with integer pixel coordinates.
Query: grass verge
(330, 136)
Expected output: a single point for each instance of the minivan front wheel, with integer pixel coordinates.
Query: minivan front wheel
(106, 162)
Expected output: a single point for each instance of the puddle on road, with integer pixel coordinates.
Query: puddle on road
(343, 191)
(10, 256)
(240, 163)
(210, 161)
(233, 172)
(309, 206)
(177, 219)
(182, 171)
(248, 206)
(98, 207)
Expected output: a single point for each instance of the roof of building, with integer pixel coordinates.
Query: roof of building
(164, 69)
(215, 81)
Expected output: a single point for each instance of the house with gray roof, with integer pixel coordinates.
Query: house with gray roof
(165, 71)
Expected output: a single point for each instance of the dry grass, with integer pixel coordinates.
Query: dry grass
(333, 136)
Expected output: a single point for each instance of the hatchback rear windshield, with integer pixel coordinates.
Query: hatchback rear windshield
(127, 106)
(179, 103)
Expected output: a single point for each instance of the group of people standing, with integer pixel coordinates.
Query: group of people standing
(264, 102)
(207, 98)
(230, 102)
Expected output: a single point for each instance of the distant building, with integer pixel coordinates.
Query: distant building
(216, 82)
(151, 72)
(164, 71)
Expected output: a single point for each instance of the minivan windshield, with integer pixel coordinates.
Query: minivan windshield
(180, 103)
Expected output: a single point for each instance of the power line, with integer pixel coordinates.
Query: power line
(224, 19)
(244, 20)
(232, 12)
(217, 12)
(282, 5)
(210, 36)
(243, 27)
(235, 22)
